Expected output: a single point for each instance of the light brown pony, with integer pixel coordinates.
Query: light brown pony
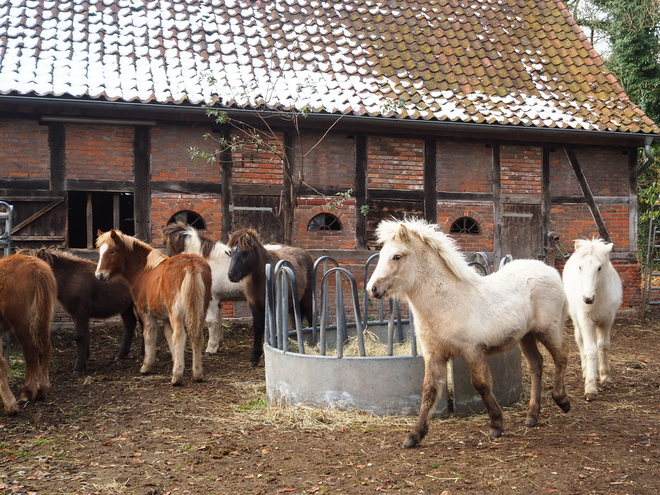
(460, 313)
(27, 296)
(176, 290)
(249, 258)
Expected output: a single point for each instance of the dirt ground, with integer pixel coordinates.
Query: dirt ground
(115, 432)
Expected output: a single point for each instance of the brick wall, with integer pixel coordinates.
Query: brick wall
(163, 206)
(482, 213)
(395, 163)
(464, 167)
(24, 149)
(520, 169)
(99, 152)
(308, 208)
(170, 157)
(261, 166)
(328, 161)
(601, 166)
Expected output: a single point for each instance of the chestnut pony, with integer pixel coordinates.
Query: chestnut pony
(176, 290)
(27, 297)
(457, 312)
(83, 296)
(249, 258)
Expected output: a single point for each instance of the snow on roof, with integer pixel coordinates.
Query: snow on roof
(485, 61)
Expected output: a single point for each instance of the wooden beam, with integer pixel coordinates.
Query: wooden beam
(360, 190)
(588, 195)
(57, 146)
(142, 182)
(430, 181)
(227, 198)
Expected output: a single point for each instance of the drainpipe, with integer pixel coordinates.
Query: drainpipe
(649, 156)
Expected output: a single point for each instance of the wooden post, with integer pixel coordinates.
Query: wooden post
(430, 181)
(360, 191)
(142, 182)
(227, 192)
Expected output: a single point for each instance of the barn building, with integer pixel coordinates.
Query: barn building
(494, 118)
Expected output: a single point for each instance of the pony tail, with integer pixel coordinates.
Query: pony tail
(45, 290)
(194, 292)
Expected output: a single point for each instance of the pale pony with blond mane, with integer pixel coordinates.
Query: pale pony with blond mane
(594, 292)
(459, 313)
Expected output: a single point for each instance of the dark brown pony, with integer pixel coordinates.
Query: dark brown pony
(248, 263)
(176, 290)
(83, 296)
(27, 297)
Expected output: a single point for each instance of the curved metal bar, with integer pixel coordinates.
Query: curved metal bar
(485, 262)
(285, 267)
(323, 260)
(356, 308)
(482, 267)
(366, 296)
(508, 258)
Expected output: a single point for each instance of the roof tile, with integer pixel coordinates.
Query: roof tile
(496, 61)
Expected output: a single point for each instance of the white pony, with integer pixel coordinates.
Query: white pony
(183, 238)
(594, 292)
(457, 312)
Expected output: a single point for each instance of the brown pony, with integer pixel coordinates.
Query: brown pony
(27, 297)
(83, 296)
(248, 264)
(176, 290)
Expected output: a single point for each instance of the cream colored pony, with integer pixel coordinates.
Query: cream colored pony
(457, 312)
(594, 292)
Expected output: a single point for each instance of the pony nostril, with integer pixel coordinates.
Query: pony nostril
(588, 300)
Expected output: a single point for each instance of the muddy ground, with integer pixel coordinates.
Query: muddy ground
(115, 432)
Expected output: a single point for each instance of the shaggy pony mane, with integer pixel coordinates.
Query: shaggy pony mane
(596, 247)
(406, 231)
(154, 258)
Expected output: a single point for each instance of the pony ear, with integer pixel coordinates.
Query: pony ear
(608, 247)
(114, 235)
(99, 232)
(579, 243)
(404, 233)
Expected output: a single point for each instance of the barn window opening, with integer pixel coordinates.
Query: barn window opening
(189, 217)
(465, 225)
(92, 211)
(324, 221)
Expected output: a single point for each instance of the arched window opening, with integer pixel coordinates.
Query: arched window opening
(189, 217)
(465, 225)
(324, 221)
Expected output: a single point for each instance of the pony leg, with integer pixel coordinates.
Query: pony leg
(81, 336)
(149, 334)
(435, 380)
(580, 343)
(130, 322)
(177, 343)
(214, 322)
(483, 383)
(558, 348)
(197, 344)
(37, 357)
(589, 356)
(258, 328)
(603, 342)
(535, 360)
(8, 399)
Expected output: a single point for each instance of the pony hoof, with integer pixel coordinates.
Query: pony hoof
(11, 410)
(530, 423)
(253, 364)
(410, 443)
(590, 397)
(177, 383)
(495, 432)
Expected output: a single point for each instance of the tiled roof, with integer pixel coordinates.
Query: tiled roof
(512, 62)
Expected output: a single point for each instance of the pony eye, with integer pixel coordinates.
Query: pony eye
(396, 257)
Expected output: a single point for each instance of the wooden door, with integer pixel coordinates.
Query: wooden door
(521, 235)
